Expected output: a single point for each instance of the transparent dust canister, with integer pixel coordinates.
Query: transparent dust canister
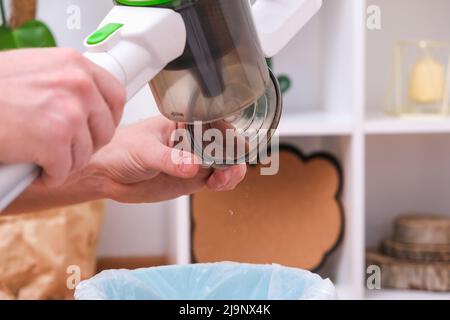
(222, 70)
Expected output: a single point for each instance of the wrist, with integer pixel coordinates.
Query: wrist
(92, 183)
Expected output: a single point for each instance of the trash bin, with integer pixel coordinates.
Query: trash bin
(213, 281)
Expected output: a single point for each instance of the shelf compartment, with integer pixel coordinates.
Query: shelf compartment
(402, 20)
(320, 61)
(379, 124)
(316, 123)
(405, 174)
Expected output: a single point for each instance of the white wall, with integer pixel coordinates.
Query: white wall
(128, 230)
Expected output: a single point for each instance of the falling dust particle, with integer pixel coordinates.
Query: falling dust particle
(231, 212)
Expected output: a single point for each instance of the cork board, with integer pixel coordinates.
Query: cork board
(294, 218)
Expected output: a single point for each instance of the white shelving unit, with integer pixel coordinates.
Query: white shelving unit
(339, 70)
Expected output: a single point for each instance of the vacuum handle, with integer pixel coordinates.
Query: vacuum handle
(14, 179)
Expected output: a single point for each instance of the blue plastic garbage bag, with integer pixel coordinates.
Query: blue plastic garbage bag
(214, 281)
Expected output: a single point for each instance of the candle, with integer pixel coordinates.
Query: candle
(427, 81)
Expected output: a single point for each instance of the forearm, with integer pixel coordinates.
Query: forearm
(82, 186)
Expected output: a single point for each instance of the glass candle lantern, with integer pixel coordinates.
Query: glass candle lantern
(420, 82)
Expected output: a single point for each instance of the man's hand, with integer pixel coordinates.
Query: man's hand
(140, 166)
(56, 109)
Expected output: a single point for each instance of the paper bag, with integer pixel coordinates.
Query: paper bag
(44, 254)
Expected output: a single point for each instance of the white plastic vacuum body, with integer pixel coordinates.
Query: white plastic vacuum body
(145, 40)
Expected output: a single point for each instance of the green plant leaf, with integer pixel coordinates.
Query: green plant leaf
(6, 39)
(285, 83)
(33, 34)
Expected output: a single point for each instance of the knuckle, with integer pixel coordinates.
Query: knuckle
(74, 116)
(59, 129)
(72, 55)
(78, 81)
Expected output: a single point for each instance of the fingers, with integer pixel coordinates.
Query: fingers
(57, 165)
(86, 123)
(172, 162)
(160, 188)
(105, 100)
(228, 179)
(82, 148)
(87, 100)
(111, 89)
(164, 187)
(101, 123)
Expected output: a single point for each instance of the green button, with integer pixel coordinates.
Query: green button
(103, 33)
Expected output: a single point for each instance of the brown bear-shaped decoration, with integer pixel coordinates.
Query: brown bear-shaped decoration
(294, 218)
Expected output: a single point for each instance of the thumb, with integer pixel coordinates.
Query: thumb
(173, 162)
